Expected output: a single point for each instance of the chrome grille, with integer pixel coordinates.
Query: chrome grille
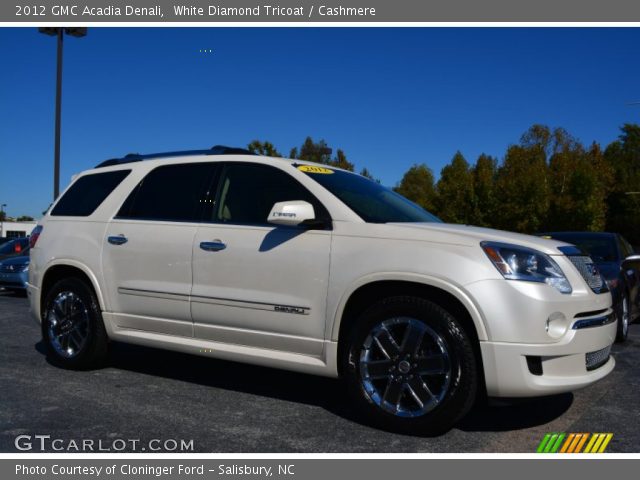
(589, 272)
(598, 358)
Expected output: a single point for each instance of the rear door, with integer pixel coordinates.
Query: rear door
(257, 284)
(147, 249)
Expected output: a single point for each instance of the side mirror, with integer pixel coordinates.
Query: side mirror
(291, 213)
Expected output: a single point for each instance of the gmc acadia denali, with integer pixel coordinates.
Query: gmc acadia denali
(294, 265)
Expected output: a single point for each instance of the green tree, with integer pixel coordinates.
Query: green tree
(524, 189)
(623, 201)
(484, 180)
(417, 185)
(455, 198)
(579, 182)
(365, 173)
(320, 152)
(263, 148)
(24, 218)
(340, 161)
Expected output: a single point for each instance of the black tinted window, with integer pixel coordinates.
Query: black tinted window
(87, 193)
(172, 192)
(248, 192)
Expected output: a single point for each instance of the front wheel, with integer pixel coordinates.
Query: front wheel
(72, 325)
(410, 366)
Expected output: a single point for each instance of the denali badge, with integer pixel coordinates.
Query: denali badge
(296, 310)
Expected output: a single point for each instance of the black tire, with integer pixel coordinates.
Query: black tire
(94, 349)
(623, 323)
(460, 393)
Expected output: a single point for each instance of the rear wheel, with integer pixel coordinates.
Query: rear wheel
(72, 325)
(624, 318)
(410, 366)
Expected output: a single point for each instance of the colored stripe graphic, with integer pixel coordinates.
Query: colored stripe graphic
(606, 441)
(592, 441)
(582, 441)
(567, 442)
(543, 443)
(551, 443)
(556, 445)
(598, 442)
(574, 442)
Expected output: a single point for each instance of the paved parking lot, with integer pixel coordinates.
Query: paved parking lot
(150, 394)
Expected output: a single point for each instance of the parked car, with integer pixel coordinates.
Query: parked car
(5, 240)
(14, 273)
(618, 264)
(13, 247)
(289, 264)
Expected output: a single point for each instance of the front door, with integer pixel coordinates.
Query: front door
(257, 284)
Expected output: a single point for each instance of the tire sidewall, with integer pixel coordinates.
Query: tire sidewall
(463, 382)
(96, 337)
(621, 335)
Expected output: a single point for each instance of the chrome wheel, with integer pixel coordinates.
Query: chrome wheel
(625, 316)
(68, 324)
(405, 367)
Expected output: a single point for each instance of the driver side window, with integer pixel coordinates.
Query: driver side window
(248, 191)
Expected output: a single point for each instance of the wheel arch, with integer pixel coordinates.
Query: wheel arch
(371, 290)
(60, 269)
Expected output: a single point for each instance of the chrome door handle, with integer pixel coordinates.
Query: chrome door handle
(117, 239)
(214, 246)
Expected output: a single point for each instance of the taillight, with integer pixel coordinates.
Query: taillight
(35, 234)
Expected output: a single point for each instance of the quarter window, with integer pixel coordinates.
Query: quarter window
(171, 192)
(87, 193)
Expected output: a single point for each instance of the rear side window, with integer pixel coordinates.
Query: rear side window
(87, 193)
(174, 193)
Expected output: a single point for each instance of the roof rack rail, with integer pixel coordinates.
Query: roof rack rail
(136, 157)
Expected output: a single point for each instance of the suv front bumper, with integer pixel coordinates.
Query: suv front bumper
(564, 364)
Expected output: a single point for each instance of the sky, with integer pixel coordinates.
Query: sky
(389, 97)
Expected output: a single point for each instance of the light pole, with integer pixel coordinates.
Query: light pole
(2, 207)
(59, 32)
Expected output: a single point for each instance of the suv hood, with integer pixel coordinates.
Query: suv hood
(468, 235)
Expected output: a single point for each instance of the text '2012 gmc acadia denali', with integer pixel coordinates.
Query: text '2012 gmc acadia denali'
(294, 265)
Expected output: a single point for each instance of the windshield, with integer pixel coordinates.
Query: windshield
(369, 200)
(600, 248)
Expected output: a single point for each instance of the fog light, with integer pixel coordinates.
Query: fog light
(556, 325)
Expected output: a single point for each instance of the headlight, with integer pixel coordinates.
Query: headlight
(24, 268)
(521, 263)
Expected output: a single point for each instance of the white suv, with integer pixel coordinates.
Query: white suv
(299, 266)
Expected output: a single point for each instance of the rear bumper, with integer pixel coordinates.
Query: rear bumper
(33, 293)
(16, 281)
(564, 364)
